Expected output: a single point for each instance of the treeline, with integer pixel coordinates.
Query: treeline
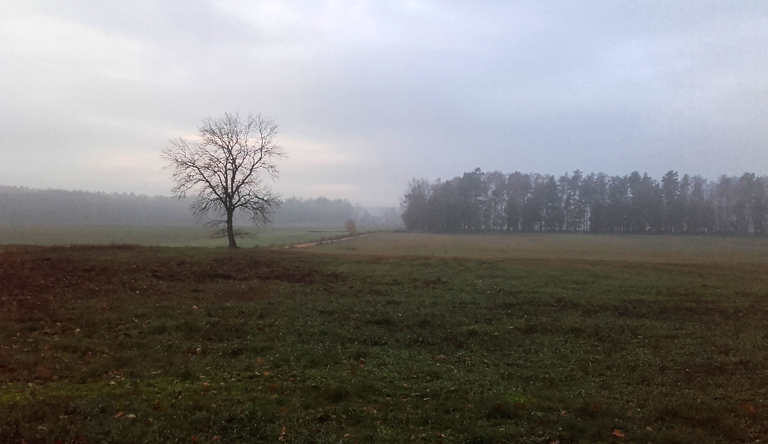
(595, 202)
(326, 212)
(29, 206)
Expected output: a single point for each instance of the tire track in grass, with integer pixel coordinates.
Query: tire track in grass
(312, 244)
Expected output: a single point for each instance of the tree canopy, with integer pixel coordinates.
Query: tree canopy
(594, 202)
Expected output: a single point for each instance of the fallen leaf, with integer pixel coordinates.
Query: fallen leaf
(119, 414)
(618, 433)
(747, 407)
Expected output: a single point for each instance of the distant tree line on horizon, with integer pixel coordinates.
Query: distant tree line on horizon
(29, 206)
(295, 211)
(594, 202)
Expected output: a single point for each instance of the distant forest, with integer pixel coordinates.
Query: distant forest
(596, 203)
(26, 206)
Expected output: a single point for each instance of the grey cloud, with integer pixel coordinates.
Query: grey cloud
(396, 89)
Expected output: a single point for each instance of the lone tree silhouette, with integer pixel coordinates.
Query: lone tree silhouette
(225, 169)
(350, 226)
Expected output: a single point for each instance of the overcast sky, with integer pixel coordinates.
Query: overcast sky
(369, 94)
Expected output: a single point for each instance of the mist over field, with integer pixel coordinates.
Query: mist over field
(422, 289)
(24, 206)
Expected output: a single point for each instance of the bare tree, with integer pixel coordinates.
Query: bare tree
(350, 226)
(225, 169)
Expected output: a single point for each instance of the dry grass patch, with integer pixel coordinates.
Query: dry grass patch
(630, 248)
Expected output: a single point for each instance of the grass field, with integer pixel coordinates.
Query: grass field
(390, 338)
(148, 235)
(626, 248)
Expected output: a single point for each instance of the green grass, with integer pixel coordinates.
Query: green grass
(128, 344)
(189, 236)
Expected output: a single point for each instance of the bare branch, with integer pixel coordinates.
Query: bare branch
(225, 170)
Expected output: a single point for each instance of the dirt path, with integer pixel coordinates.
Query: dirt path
(312, 244)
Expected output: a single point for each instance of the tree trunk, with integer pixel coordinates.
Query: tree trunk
(231, 230)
